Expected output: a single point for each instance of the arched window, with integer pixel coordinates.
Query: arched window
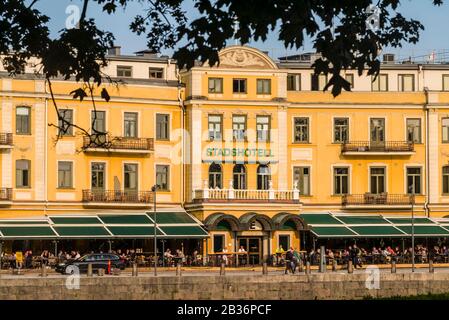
(215, 176)
(263, 177)
(239, 176)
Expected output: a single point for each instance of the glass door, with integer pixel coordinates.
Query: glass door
(253, 246)
(377, 136)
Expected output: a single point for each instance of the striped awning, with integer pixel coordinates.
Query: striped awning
(343, 225)
(175, 225)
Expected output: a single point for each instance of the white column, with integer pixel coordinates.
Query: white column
(433, 169)
(39, 151)
(196, 146)
(7, 119)
(282, 149)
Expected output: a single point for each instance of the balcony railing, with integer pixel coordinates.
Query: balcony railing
(377, 147)
(117, 196)
(119, 143)
(5, 194)
(370, 199)
(6, 139)
(240, 195)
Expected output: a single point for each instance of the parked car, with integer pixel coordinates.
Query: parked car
(98, 261)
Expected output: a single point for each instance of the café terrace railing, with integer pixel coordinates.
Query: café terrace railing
(370, 199)
(117, 196)
(5, 194)
(6, 139)
(383, 147)
(119, 143)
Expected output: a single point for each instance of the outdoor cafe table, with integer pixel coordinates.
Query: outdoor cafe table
(216, 255)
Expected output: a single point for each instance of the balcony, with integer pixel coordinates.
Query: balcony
(245, 196)
(117, 197)
(377, 148)
(6, 141)
(382, 200)
(119, 145)
(5, 196)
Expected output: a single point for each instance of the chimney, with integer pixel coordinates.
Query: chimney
(114, 51)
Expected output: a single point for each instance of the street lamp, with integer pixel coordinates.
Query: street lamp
(154, 188)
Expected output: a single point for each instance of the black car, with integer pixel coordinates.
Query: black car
(98, 261)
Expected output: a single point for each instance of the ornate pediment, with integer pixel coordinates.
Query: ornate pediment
(245, 57)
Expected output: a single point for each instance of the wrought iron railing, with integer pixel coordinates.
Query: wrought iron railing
(6, 139)
(117, 196)
(369, 146)
(122, 143)
(377, 199)
(5, 194)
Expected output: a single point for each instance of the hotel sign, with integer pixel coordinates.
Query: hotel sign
(239, 152)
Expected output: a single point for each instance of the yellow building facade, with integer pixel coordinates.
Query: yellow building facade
(244, 146)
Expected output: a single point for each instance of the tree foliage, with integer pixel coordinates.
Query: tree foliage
(337, 28)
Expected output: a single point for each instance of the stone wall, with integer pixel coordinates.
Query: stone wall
(315, 286)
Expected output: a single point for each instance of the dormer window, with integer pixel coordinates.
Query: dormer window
(124, 71)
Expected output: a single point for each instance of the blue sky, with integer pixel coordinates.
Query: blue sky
(435, 19)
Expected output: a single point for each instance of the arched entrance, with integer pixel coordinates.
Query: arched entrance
(290, 231)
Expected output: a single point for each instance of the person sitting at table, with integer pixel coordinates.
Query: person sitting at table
(241, 249)
(180, 255)
(224, 257)
(28, 259)
(45, 255)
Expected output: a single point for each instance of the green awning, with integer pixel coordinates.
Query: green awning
(74, 220)
(319, 218)
(82, 231)
(125, 219)
(409, 221)
(172, 218)
(374, 231)
(188, 231)
(332, 232)
(133, 231)
(425, 231)
(362, 219)
(27, 232)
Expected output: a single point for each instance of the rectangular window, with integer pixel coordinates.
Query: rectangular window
(124, 71)
(377, 178)
(23, 120)
(215, 127)
(414, 130)
(445, 126)
(65, 174)
(64, 124)
(445, 82)
(294, 82)
(377, 128)
(239, 128)
(162, 126)
(350, 78)
(156, 73)
(301, 177)
(341, 130)
(218, 242)
(263, 128)
(130, 124)
(215, 85)
(239, 85)
(301, 130)
(319, 82)
(413, 180)
(99, 121)
(406, 82)
(263, 86)
(130, 177)
(284, 241)
(23, 173)
(341, 181)
(162, 177)
(380, 83)
(446, 180)
(97, 171)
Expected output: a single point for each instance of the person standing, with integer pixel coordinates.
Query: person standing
(289, 261)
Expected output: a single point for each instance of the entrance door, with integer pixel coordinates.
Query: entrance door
(252, 245)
